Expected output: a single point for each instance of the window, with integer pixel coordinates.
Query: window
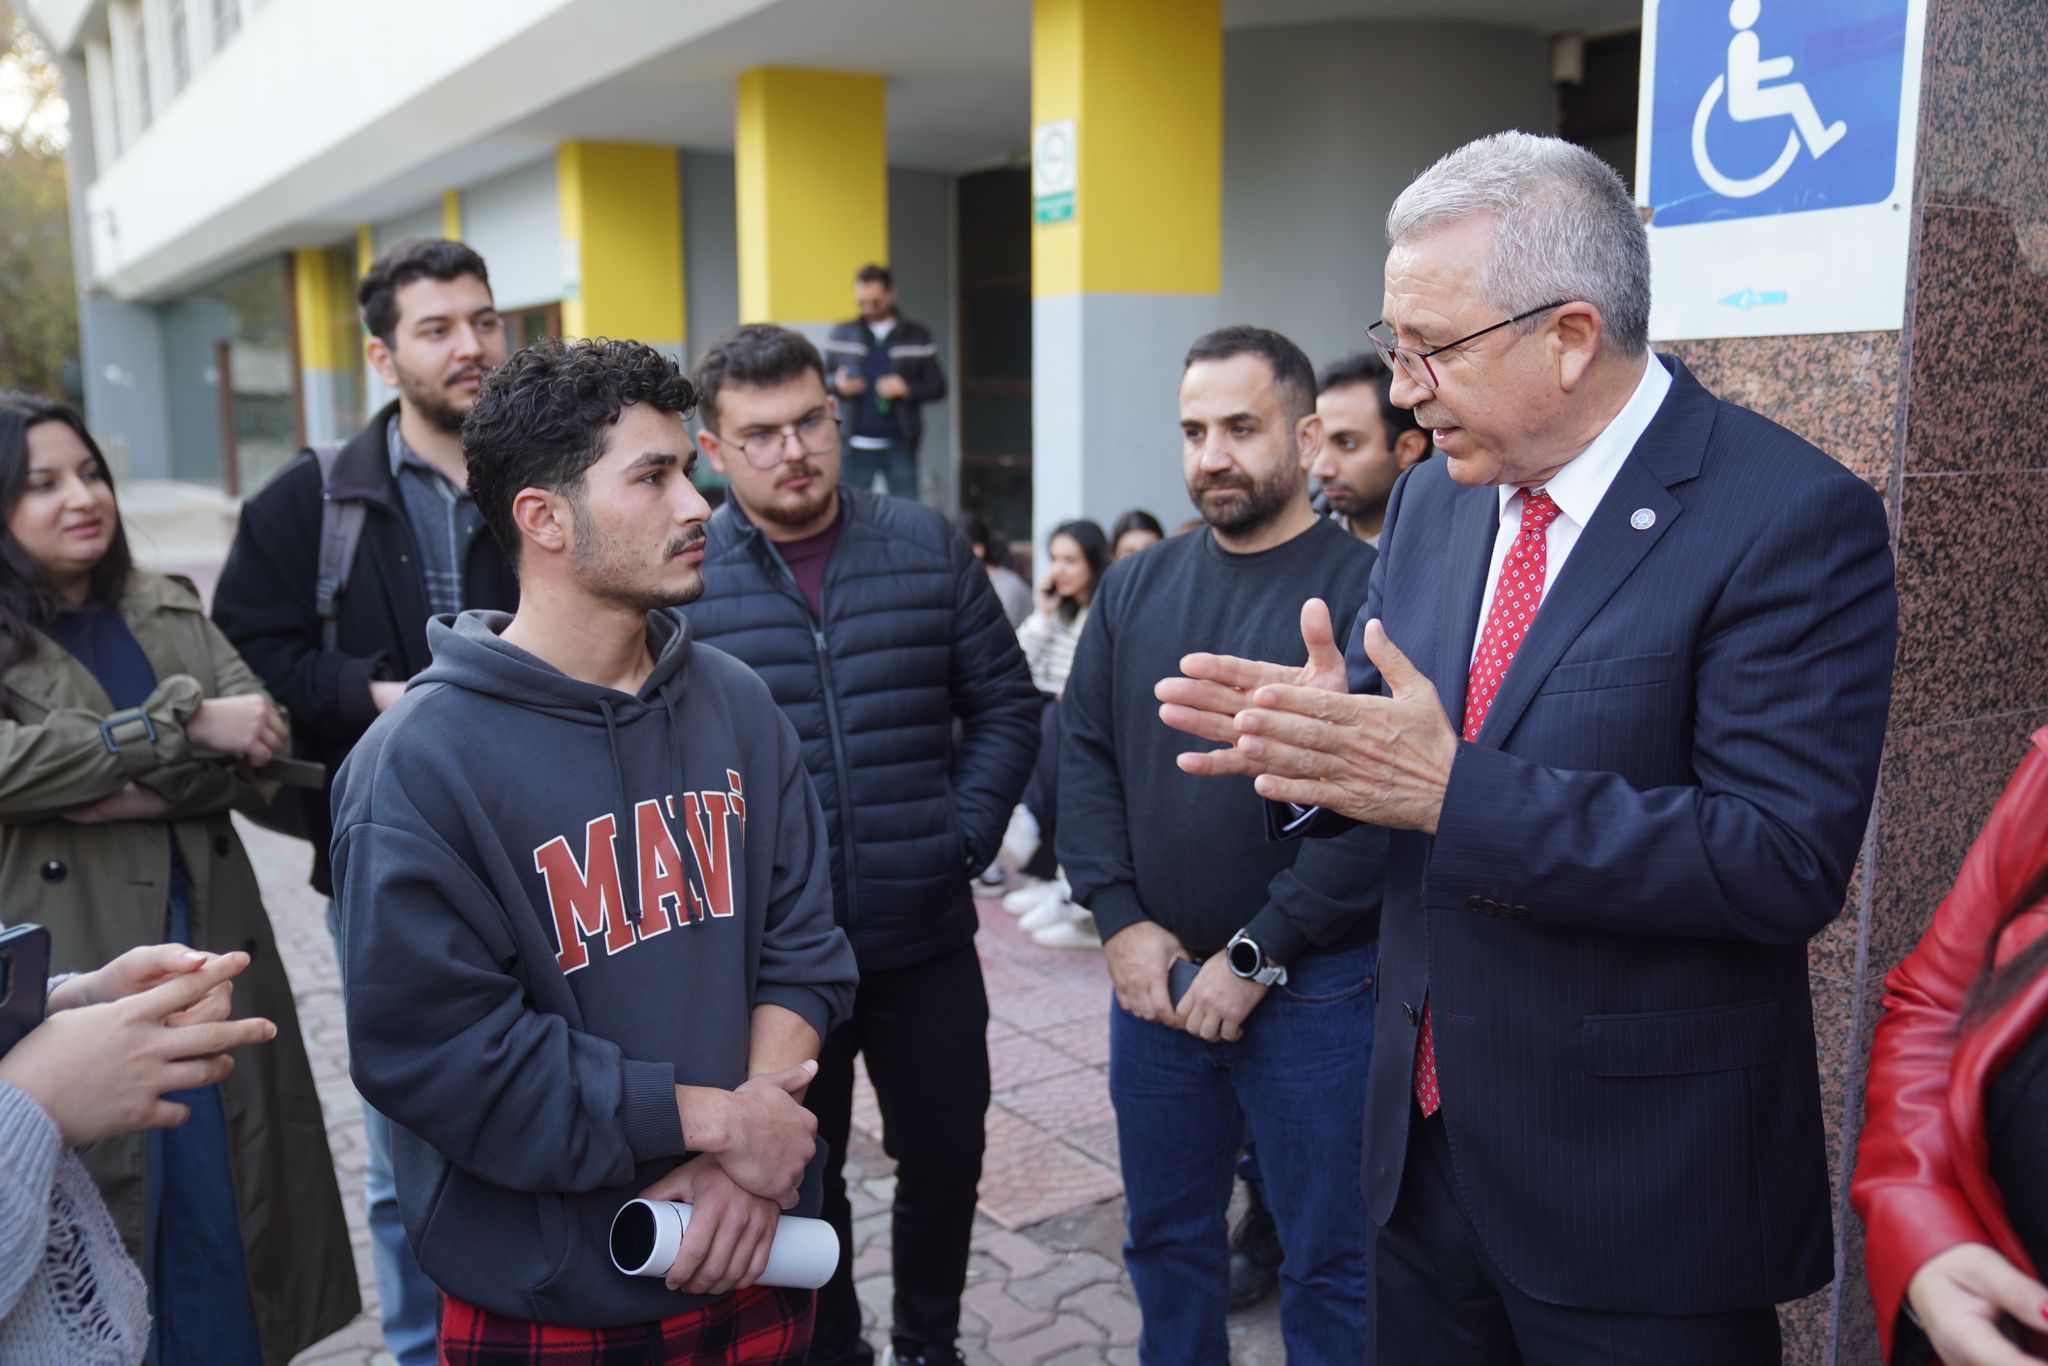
(181, 47)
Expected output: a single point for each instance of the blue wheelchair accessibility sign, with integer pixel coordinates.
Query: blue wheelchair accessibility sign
(1767, 107)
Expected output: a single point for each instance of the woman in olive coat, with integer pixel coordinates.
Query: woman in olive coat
(128, 728)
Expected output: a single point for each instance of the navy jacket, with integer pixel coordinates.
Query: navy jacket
(1662, 809)
(912, 639)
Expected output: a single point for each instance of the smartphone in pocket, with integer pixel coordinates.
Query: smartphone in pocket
(1179, 977)
(24, 981)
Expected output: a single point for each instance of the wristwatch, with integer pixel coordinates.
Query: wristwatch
(1248, 961)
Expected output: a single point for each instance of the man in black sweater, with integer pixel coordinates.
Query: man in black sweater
(1272, 1038)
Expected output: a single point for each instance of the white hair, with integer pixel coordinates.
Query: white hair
(1564, 228)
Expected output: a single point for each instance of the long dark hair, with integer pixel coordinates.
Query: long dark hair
(28, 602)
(1094, 549)
(1997, 985)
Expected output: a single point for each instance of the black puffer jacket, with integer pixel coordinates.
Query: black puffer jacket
(912, 639)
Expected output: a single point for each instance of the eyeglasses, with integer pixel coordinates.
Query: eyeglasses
(1415, 364)
(815, 434)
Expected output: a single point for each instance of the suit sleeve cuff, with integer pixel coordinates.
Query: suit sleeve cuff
(647, 1107)
(1115, 908)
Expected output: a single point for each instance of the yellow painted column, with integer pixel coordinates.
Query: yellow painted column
(451, 215)
(329, 340)
(622, 242)
(811, 175)
(1126, 244)
(366, 248)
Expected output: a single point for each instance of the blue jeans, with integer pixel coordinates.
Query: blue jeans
(407, 1301)
(1296, 1083)
(200, 1310)
(896, 464)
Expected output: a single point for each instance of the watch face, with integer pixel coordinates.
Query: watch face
(1245, 957)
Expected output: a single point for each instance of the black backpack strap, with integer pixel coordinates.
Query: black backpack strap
(341, 531)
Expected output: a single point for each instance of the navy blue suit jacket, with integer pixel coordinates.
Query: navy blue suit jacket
(1662, 809)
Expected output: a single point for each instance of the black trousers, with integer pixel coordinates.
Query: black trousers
(1438, 1300)
(924, 1032)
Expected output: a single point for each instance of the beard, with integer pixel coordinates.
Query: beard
(798, 510)
(1259, 501)
(607, 568)
(431, 401)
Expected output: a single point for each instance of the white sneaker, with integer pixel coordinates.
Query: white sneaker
(1048, 913)
(1030, 896)
(1078, 933)
(1020, 839)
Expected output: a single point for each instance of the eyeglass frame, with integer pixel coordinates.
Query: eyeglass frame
(1391, 353)
(783, 435)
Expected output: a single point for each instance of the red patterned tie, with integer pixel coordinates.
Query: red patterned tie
(1515, 600)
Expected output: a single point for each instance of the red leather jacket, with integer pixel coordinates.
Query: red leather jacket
(1921, 1183)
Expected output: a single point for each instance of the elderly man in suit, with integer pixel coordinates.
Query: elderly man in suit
(1619, 691)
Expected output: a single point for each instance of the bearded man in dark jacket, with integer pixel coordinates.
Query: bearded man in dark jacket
(876, 631)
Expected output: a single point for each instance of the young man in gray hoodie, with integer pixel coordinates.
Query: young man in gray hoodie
(586, 907)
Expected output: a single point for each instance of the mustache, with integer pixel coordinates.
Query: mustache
(686, 542)
(806, 470)
(1430, 418)
(466, 372)
(1205, 482)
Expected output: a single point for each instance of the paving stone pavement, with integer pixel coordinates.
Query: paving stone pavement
(1046, 1285)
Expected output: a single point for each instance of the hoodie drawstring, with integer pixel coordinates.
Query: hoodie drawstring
(611, 735)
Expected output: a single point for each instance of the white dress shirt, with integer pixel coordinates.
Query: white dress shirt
(1576, 489)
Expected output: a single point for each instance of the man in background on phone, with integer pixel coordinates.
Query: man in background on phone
(586, 906)
(1272, 1038)
(885, 369)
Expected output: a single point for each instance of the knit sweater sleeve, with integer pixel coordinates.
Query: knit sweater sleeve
(30, 1139)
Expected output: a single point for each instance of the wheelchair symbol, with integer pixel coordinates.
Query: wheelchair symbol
(1751, 100)
(1728, 186)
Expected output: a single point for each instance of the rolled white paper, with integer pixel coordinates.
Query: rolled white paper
(647, 1233)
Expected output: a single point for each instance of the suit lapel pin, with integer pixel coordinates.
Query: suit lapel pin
(1642, 519)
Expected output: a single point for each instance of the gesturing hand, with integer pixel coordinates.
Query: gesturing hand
(1382, 760)
(1206, 700)
(725, 1248)
(1960, 1296)
(102, 1070)
(134, 971)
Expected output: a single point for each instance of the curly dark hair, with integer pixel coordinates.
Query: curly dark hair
(543, 417)
(398, 265)
(758, 355)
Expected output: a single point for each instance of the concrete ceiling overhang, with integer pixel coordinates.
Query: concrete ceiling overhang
(959, 98)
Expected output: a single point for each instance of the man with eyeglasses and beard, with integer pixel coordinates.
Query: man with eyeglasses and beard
(877, 631)
(1271, 1039)
(433, 332)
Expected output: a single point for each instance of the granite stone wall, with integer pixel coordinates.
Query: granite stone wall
(1946, 417)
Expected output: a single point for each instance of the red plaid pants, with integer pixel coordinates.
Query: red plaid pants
(752, 1327)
